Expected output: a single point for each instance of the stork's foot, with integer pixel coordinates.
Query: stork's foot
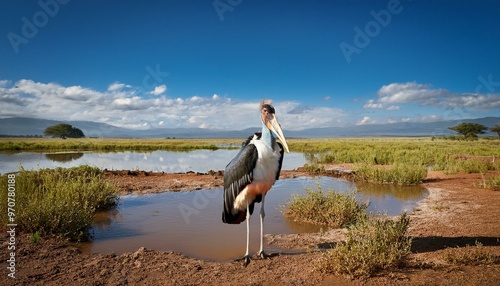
(264, 255)
(246, 260)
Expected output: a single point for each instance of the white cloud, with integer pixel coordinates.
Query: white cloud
(196, 99)
(366, 120)
(161, 89)
(372, 104)
(393, 107)
(117, 86)
(425, 95)
(4, 83)
(204, 125)
(398, 120)
(122, 106)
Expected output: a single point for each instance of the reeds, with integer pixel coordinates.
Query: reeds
(402, 161)
(331, 208)
(399, 174)
(58, 201)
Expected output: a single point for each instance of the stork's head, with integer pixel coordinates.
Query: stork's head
(272, 123)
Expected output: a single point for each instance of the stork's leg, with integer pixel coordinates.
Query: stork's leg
(262, 216)
(247, 256)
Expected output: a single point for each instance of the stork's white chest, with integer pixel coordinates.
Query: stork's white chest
(267, 163)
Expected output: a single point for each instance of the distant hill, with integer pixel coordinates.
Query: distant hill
(20, 126)
(404, 129)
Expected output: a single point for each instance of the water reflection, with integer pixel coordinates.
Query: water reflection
(380, 191)
(391, 199)
(190, 222)
(157, 161)
(63, 157)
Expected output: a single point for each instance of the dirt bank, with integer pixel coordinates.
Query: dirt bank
(456, 213)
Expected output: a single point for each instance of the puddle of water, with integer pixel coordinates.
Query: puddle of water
(157, 161)
(190, 222)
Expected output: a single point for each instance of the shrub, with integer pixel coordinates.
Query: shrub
(331, 209)
(59, 201)
(314, 168)
(470, 255)
(372, 245)
(491, 183)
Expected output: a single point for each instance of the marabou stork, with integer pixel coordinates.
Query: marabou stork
(252, 173)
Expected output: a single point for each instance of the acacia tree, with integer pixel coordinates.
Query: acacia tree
(496, 129)
(63, 130)
(469, 130)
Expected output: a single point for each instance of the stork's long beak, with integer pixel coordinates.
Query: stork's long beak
(273, 125)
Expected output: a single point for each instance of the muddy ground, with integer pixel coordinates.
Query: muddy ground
(455, 214)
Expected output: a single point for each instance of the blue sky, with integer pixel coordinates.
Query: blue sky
(208, 64)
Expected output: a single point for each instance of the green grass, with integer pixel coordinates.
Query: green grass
(492, 183)
(35, 237)
(437, 154)
(470, 255)
(372, 245)
(105, 144)
(404, 160)
(399, 174)
(331, 208)
(58, 201)
(314, 168)
(471, 166)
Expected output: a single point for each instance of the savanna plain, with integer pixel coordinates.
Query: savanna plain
(451, 238)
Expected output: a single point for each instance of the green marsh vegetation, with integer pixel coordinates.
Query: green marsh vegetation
(402, 161)
(377, 243)
(105, 144)
(58, 201)
(492, 183)
(330, 209)
(373, 243)
(470, 255)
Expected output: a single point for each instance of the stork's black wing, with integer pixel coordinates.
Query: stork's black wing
(282, 154)
(238, 174)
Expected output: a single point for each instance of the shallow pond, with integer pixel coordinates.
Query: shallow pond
(157, 161)
(190, 222)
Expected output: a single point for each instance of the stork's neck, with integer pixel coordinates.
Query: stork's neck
(267, 136)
